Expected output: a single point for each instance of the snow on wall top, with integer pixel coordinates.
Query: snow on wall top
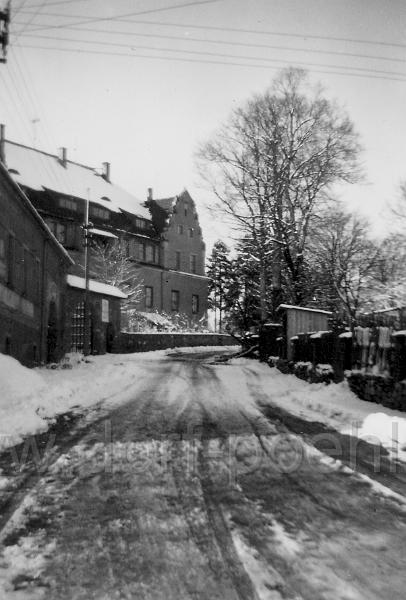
(38, 170)
(94, 286)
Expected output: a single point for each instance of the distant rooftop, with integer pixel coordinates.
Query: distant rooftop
(169, 203)
(166, 203)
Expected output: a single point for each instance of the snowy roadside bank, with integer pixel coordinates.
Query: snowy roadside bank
(31, 398)
(334, 405)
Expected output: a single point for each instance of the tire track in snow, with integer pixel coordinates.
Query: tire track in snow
(33, 472)
(202, 511)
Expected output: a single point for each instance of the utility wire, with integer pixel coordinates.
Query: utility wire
(35, 14)
(203, 61)
(20, 8)
(219, 55)
(120, 18)
(28, 89)
(225, 43)
(89, 20)
(61, 3)
(20, 108)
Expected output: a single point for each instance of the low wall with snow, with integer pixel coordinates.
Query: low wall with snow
(144, 342)
(374, 363)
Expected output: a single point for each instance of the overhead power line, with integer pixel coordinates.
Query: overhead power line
(122, 19)
(89, 20)
(217, 55)
(208, 61)
(60, 3)
(223, 42)
(34, 14)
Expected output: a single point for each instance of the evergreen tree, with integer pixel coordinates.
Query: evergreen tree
(244, 297)
(220, 271)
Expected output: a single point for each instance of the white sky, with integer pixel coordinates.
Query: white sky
(146, 111)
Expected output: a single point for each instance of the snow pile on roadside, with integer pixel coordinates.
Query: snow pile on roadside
(20, 392)
(31, 398)
(335, 405)
(15, 379)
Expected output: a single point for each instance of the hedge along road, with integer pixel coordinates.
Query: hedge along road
(191, 491)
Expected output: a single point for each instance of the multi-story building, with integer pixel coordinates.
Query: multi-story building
(162, 237)
(33, 267)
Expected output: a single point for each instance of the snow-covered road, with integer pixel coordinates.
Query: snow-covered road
(201, 485)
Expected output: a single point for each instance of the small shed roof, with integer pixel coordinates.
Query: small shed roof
(304, 308)
(95, 286)
(384, 310)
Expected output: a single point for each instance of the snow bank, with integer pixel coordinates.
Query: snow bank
(335, 405)
(20, 393)
(16, 379)
(31, 398)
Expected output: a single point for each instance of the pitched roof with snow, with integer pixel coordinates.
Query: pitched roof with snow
(4, 173)
(39, 171)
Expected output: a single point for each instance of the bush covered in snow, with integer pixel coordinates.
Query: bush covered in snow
(374, 388)
(321, 373)
(272, 360)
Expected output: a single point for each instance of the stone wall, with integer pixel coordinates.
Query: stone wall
(144, 342)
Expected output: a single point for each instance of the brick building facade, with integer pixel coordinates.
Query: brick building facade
(162, 237)
(33, 267)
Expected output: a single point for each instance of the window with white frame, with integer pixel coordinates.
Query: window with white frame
(105, 311)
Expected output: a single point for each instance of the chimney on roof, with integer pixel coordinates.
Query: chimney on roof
(106, 171)
(3, 143)
(63, 156)
(150, 194)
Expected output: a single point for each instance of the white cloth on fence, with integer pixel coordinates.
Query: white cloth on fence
(384, 337)
(358, 335)
(366, 337)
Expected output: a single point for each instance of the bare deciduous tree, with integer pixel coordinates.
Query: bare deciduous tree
(110, 264)
(270, 165)
(346, 260)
